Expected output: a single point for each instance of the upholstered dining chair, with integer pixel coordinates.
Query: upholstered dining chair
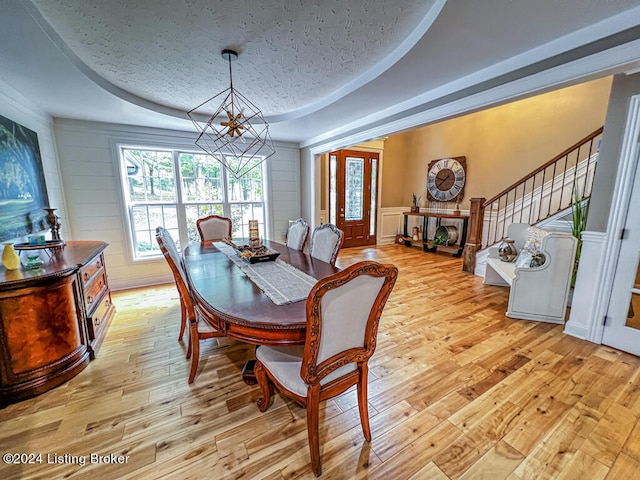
(340, 339)
(326, 241)
(199, 328)
(297, 234)
(214, 227)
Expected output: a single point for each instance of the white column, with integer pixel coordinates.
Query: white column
(583, 314)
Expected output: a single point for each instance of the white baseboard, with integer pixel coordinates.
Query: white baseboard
(137, 282)
(575, 330)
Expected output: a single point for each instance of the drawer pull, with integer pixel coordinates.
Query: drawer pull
(89, 300)
(86, 276)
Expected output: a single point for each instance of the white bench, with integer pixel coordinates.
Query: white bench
(538, 293)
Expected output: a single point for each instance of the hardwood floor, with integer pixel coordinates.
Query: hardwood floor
(456, 390)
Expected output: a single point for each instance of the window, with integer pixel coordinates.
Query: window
(172, 189)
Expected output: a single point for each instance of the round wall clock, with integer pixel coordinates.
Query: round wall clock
(446, 178)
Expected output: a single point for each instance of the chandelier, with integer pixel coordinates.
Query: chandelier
(236, 134)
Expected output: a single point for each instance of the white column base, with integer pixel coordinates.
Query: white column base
(586, 292)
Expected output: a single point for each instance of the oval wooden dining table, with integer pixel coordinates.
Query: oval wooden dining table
(237, 307)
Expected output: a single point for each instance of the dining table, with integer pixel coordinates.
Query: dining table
(237, 307)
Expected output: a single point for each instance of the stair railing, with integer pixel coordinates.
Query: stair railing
(541, 194)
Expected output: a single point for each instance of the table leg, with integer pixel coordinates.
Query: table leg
(248, 376)
(463, 239)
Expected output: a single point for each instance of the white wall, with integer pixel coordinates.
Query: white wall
(91, 177)
(17, 108)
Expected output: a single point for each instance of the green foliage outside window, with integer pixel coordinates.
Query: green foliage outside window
(165, 185)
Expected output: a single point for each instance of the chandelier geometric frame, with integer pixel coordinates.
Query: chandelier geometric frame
(237, 128)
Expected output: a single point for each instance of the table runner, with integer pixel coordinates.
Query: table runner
(279, 281)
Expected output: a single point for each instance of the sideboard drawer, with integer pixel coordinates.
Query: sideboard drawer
(98, 320)
(94, 290)
(90, 269)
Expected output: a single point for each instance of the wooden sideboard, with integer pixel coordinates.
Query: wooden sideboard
(52, 320)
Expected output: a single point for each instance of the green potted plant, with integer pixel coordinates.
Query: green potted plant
(579, 214)
(414, 203)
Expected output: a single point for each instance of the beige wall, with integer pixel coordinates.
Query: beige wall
(501, 144)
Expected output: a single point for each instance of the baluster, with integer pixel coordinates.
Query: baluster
(513, 203)
(564, 182)
(575, 173)
(504, 215)
(533, 189)
(524, 190)
(544, 174)
(495, 233)
(487, 231)
(553, 181)
(586, 171)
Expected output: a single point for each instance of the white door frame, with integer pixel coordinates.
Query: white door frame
(617, 218)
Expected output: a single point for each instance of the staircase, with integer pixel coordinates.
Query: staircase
(543, 197)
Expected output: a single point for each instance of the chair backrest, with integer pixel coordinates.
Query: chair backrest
(326, 241)
(339, 329)
(214, 227)
(297, 234)
(170, 252)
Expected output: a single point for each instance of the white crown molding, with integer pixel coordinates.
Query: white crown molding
(603, 63)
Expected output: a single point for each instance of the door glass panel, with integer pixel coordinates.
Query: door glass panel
(633, 315)
(354, 183)
(333, 165)
(372, 212)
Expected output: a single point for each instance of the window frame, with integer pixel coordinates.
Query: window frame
(180, 203)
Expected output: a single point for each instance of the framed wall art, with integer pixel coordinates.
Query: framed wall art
(23, 192)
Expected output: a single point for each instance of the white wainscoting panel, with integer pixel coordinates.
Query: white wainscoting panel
(391, 223)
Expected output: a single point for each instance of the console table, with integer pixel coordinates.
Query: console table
(52, 320)
(428, 245)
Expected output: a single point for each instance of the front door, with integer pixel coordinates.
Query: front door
(353, 178)
(622, 329)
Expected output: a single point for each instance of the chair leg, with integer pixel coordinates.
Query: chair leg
(313, 412)
(183, 320)
(263, 381)
(194, 347)
(191, 328)
(363, 405)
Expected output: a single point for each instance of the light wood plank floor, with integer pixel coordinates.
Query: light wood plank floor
(457, 390)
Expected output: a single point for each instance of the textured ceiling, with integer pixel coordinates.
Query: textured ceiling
(292, 53)
(323, 71)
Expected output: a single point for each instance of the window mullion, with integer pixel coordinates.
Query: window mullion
(226, 206)
(180, 204)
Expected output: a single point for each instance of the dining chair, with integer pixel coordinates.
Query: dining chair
(199, 327)
(297, 234)
(214, 227)
(326, 241)
(340, 339)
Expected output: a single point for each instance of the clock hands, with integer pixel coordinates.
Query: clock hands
(442, 180)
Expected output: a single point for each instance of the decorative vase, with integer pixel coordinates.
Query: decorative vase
(34, 262)
(54, 223)
(507, 250)
(10, 258)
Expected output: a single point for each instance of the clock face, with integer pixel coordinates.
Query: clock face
(446, 178)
